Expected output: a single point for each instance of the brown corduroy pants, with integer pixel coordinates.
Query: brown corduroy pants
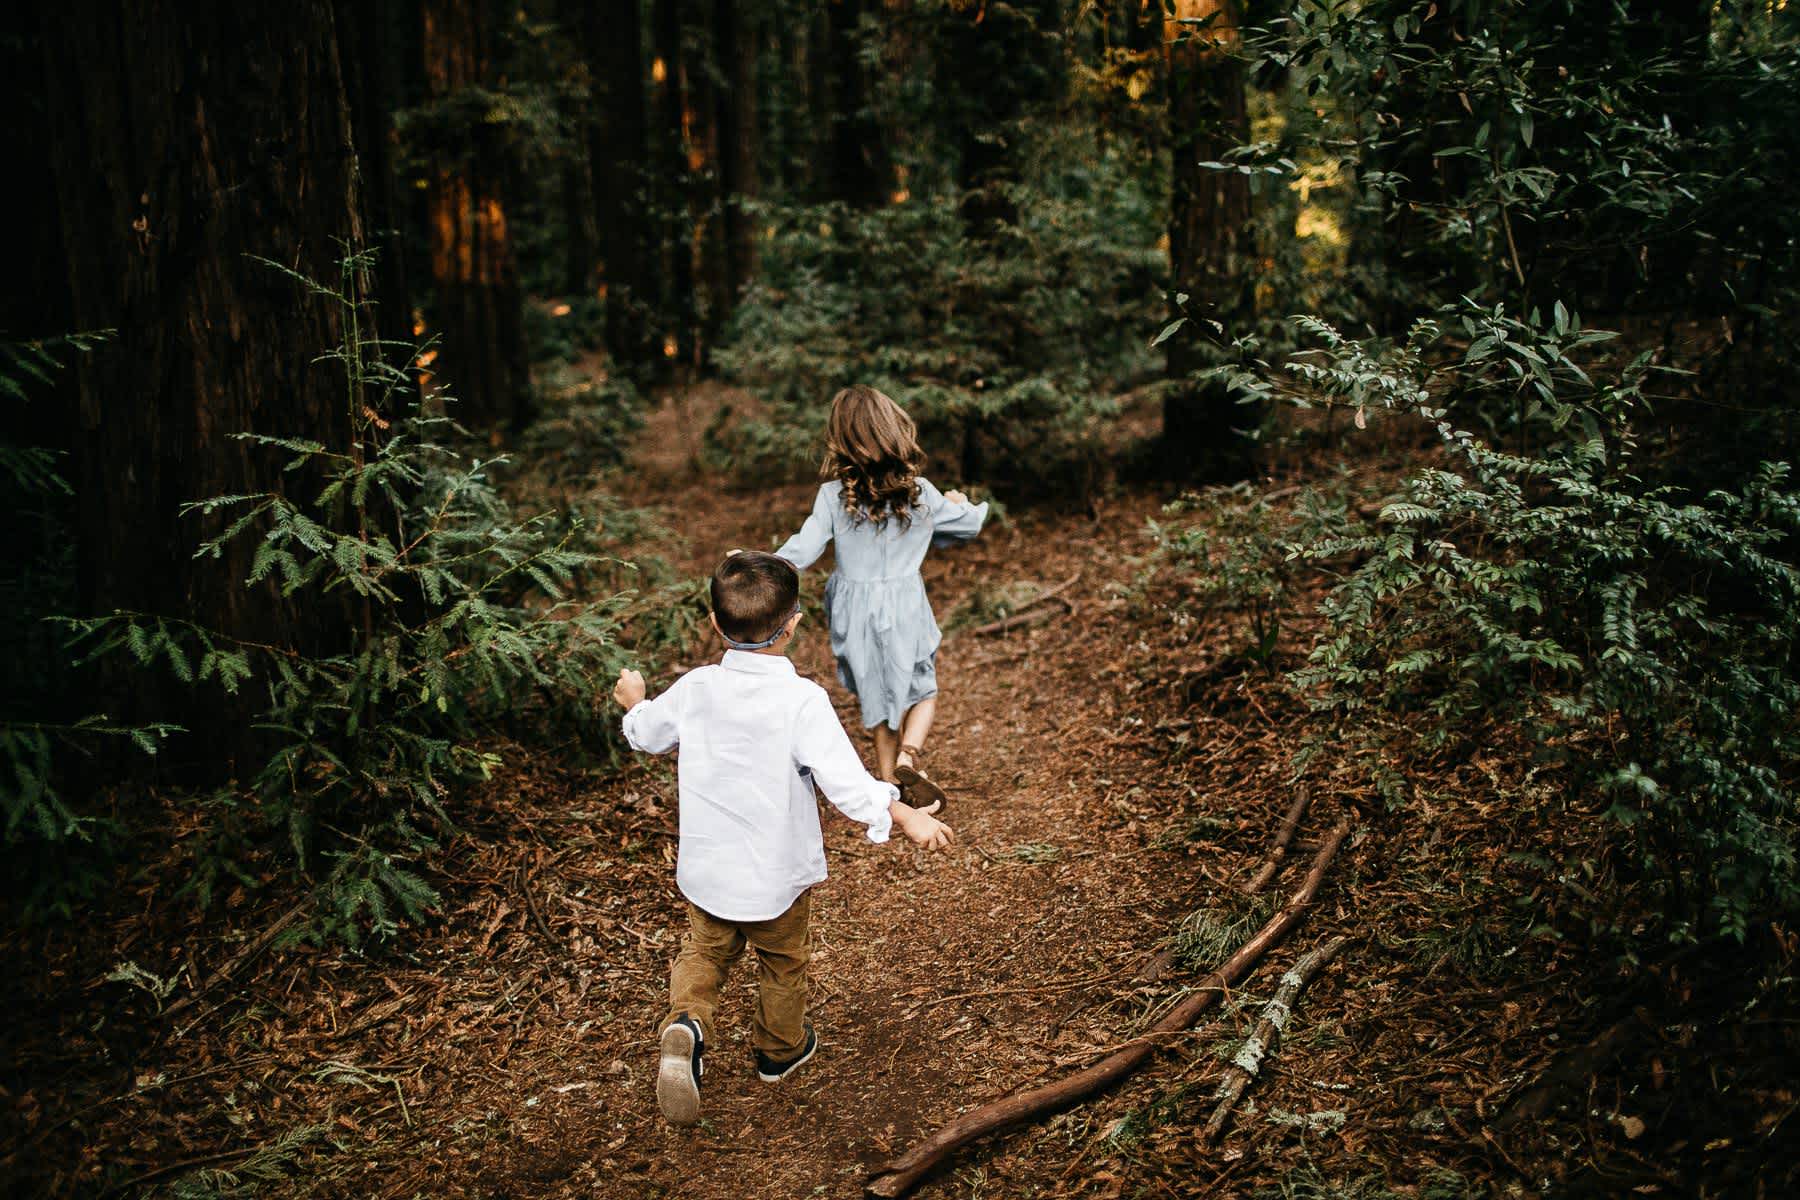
(783, 946)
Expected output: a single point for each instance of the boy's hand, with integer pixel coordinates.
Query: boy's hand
(921, 827)
(630, 688)
(955, 496)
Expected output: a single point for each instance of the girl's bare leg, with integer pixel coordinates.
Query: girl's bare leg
(915, 727)
(887, 746)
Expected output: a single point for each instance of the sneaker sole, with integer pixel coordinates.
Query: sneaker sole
(677, 1092)
(791, 1068)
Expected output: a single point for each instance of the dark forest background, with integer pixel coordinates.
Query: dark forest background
(319, 312)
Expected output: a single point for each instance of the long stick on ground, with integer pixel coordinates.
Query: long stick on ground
(897, 1177)
(1269, 1025)
(1026, 614)
(1283, 838)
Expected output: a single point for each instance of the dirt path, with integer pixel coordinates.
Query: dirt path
(940, 980)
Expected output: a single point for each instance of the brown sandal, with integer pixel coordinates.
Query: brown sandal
(916, 788)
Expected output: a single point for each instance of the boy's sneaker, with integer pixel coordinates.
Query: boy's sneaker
(771, 1070)
(678, 1076)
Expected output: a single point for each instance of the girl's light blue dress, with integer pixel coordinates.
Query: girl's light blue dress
(882, 630)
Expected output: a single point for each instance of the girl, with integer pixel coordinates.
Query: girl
(883, 515)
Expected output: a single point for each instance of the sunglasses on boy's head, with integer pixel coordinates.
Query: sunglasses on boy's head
(766, 642)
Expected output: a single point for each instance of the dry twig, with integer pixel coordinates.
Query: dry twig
(1269, 1025)
(1283, 836)
(1030, 612)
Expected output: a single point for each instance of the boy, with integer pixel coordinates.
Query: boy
(754, 738)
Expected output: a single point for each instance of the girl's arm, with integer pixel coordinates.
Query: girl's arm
(804, 548)
(952, 521)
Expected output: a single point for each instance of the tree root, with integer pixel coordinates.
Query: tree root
(1269, 1026)
(898, 1176)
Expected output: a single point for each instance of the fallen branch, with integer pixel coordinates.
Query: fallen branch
(1269, 1026)
(898, 1176)
(1283, 836)
(236, 962)
(1029, 612)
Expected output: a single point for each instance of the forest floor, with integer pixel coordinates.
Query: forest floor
(1113, 774)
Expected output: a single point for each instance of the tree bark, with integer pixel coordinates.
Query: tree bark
(187, 137)
(478, 303)
(1203, 425)
(372, 40)
(618, 151)
(738, 36)
(859, 170)
(679, 308)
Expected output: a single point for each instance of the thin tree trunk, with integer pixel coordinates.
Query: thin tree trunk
(1208, 236)
(618, 150)
(738, 37)
(679, 307)
(859, 170)
(479, 304)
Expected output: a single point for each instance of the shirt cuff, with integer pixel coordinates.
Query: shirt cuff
(883, 825)
(625, 722)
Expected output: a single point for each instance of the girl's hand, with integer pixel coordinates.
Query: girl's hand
(955, 496)
(630, 688)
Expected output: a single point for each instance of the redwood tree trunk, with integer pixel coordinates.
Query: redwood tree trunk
(737, 35)
(372, 39)
(478, 303)
(859, 170)
(1203, 427)
(618, 151)
(674, 120)
(187, 136)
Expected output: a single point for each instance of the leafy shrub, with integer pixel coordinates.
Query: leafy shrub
(1231, 547)
(1003, 351)
(473, 625)
(1641, 636)
(584, 425)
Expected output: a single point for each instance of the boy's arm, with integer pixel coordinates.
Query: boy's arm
(822, 747)
(653, 726)
(953, 518)
(804, 548)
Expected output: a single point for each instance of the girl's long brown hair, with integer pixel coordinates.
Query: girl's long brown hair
(872, 448)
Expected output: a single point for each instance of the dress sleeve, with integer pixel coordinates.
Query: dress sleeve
(822, 747)
(654, 726)
(951, 524)
(804, 548)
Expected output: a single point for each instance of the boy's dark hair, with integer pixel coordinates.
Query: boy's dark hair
(753, 593)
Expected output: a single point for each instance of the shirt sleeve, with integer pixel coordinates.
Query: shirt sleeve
(951, 524)
(654, 726)
(822, 747)
(804, 548)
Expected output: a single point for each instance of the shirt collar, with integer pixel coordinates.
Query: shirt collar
(757, 664)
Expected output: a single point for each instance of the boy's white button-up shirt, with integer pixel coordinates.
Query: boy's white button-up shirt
(754, 736)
